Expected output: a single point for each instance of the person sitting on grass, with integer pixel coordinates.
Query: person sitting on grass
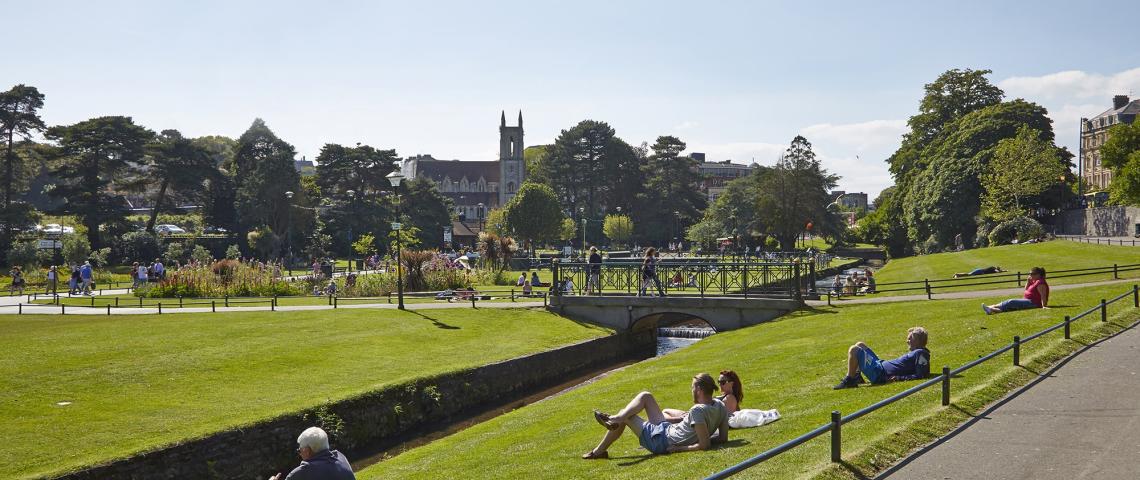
(979, 271)
(527, 289)
(1036, 295)
(705, 424)
(331, 289)
(317, 460)
(913, 365)
(521, 280)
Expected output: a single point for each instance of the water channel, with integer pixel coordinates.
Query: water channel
(680, 336)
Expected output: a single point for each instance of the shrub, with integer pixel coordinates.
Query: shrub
(175, 251)
(75, 248)
(24, 254)
(100, 258)
(225, 277)
(138, 246)
(201, 256)
(263, 241)
(233, 252)
(1021, 228)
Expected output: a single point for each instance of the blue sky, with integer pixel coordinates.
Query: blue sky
(736, 80)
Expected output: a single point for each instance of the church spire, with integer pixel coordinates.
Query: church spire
(520, 118)
(503, 121)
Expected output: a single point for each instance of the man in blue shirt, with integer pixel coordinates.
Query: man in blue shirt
(861, 360)
(318, 462)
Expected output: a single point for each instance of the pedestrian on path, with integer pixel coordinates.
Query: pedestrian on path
(593, 281)
(52, 279)
(649, 273)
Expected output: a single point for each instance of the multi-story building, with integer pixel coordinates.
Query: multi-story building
(1094, 132)
(716, 175)
(852, 200)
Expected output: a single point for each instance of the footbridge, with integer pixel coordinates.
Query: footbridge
(624, 313)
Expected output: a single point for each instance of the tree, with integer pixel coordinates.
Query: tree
(533, 214)
(75, 248)
(796, 193)
(263, 172)
(734, 213)
(91, 156)
(361, 169)
(590, 170)
(671, 198)
(428, 210)
(618, 228)
(19, 116)
(1022, 166)
(177, 164)
(496, 222)
(1121, 153)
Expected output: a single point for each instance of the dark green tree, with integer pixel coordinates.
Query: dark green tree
(534, 214)
(263, 173)
(671, 200)
(361, 169)
(795, 193)
(19, 116)
(590, 170)
(1121, 153)
(90, 156)
(179, 166)
(734, 213)
(427, 210)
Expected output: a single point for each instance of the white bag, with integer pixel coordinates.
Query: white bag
(749, 417)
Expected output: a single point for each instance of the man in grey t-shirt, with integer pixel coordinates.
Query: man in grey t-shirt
(693, 431)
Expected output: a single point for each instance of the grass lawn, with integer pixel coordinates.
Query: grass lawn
(1054, 255)
(139, 382)
(498, 295)
(791, 365)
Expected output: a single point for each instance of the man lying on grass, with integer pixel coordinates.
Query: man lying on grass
(913, 365)
(979, 271)
(692, 431)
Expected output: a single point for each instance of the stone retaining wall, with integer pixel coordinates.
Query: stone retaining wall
(259, 450)
(1114, 221)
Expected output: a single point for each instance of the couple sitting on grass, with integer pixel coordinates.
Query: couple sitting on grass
(670, 430)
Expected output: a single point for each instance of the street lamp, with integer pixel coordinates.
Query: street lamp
(289, 227)
(582, 210)
(395, 178)
(352, 216)
(479, 210)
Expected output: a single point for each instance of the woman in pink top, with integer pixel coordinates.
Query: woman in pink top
(1036, 295)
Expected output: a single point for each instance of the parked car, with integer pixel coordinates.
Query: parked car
(55, 229)
(215, 231)
(168, 229)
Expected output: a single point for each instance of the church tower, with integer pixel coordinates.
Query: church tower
(512, 168)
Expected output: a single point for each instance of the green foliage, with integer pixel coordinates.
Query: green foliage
(175, 251)
(670, 191)
(618, 228)
(427, 210)
(331, 423)
(100, 258)
(1121, 153)
(409, 238)
(137, 247)
(232, 252)
(74, 248)
(263, 242)
(92, 157)
(202, 256)
(264, 171)
(795, 193)
(1019, 228)
(534, 214)
(19, 117)
(568, 230)
(734, 213)
(225, 277)
(177, 166)
(361, 169)
(365, 244)
(934, 206)
(1023, 166)
(496, 222)
(24, 254)
(496, 251)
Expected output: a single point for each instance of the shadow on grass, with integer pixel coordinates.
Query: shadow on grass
(434, 321)
(984, 414)
(637, 459)
(853, 470)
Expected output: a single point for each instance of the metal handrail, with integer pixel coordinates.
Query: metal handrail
(944, 378)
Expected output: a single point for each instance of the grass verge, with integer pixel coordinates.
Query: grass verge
(789, 364)
(140, 382)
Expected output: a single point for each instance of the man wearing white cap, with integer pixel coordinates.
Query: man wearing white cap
(317, 461)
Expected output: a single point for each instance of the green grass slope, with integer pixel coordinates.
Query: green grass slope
(1054, 255)
(790, 365)
(137, 382)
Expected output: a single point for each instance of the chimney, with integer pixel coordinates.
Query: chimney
(1119, 101)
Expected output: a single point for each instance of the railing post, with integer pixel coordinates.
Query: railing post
(140, 302)
(836, 435)
(1016, 351)
(160, 308)
(213, 305)
(1019, 279)
(20, 308)
(227, 300)
(945, 386)
(1115, 272)
(273, 304)
(1136, 296)
(1067, 322)
(473, 300)
(1103, 311)
(554, 282)
(512, 295)
(116, 301)
(744, 276)
(108, 309)
(180, 301)
(63, 309)
(829, 298)
(796, 272)
(926, 281)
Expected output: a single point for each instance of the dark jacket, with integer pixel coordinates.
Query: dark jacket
(326, 465)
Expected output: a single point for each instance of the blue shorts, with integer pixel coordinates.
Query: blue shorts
(870, 365)
(1016, 304)
(653, 437)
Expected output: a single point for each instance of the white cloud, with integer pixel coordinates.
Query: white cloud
(686, 125)
(1071, 84)
(863, 136)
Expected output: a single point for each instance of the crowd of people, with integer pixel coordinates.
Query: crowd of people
(854, 284)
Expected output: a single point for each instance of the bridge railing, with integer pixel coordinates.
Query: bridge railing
(743, 279)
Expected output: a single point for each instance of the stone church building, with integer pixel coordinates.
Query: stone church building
(476, 186)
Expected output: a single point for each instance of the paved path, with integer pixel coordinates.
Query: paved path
(1003, 292)
(1080, 420)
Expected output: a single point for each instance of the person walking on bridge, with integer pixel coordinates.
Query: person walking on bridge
(593, 280)
(649, 273)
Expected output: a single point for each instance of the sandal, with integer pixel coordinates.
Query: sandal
(592, 455)
(606, 421)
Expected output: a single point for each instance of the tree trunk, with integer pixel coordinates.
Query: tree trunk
(157, 204)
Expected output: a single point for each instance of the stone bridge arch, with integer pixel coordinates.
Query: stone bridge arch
(669, 319)
(629, 313)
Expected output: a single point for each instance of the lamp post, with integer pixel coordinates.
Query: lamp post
(479, 210)
(582, 211)
(395, 178)
(289, 228)
(352, 216)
